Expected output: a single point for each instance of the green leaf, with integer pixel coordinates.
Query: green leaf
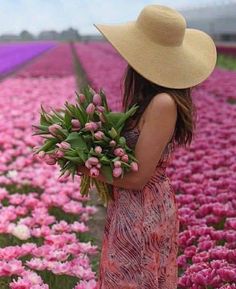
(76, 141)
(76, 160)
(107, 173)
(67, 120)
(48, 145)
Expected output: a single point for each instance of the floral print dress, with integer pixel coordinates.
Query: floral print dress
(140, 241)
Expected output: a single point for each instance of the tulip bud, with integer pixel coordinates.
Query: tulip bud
(93, 160)
(81, 98)
(134, 166)
(75, 123)
(99, 135)
(97, 99)
(117, 172)
(53, 129)
(100, 108)
(49, 160)
(119, 152)
(90, 108)
(117, 164)
(112, 143)
(98, 149)
(41, 154)
(125, 158)
(94, 172)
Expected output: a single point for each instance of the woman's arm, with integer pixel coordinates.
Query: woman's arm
(157, 130)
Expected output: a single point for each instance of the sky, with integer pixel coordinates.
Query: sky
(37, 15)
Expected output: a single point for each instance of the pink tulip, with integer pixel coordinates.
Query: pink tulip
(112, 143)
(93, 160)
(100, 108)
(81, 98)
(134, 166)
(59, 154)
(99, 135)
(94, 172)
(75, 123)
(119, 152)
(91, 126)
(97, 99)
(88, 165)
(53, 129)
(64, 145)
(49, 160)
(41, 154)
(117, 172)
(90, 108)
(98, 165)
(98, 149)
(125, 158)
(117, 164)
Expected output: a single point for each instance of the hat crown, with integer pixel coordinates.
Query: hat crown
(162, 24)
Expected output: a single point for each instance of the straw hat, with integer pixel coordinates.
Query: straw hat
(160, 47)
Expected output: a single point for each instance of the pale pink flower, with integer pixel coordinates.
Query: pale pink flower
(90, 108)
(75, 123)
(99, 135)
(97, 99)
(125, 158)
(91, 126)
(94, 172)
(134, 166)
(93, 160)
(98, 149)
(119, 152)
(117, 172)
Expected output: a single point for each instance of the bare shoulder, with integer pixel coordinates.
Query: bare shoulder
(163, 104)
(163, 100)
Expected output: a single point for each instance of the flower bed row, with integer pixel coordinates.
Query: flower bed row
(42, 219)
(58, 62)
(203, 176)
(14, 55)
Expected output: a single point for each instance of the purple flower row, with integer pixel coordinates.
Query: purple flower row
(13, 55)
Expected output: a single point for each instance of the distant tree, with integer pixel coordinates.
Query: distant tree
(26, 35)
(70, 34)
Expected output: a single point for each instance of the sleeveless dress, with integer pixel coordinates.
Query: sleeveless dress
(140, 240)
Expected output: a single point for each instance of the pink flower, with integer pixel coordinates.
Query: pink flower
(53, 129)
(112, 143)
(41, 154)
(117, 164)
(64, 145)
(134, 166)
(90, 108)
(97, 99)
(94, 172)
(91, 126)
(99, 135)
(93, 160)
(49, 160)
(119, 152)
(59, 154)
(117, 172)
(100, 108)
(101, 117)
(81, 98)
(125, 158)
(88, 165)
(98, 149)
(75, 123)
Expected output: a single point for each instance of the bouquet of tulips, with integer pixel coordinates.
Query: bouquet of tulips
(87, 133)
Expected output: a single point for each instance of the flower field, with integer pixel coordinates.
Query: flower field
(44, 236)
(14, 55)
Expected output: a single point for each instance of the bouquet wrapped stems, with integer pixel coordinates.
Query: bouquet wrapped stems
(87, 133)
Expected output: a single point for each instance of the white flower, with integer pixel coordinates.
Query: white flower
(21, 231)
(12, 173)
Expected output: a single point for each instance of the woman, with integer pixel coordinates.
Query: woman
(165, 61)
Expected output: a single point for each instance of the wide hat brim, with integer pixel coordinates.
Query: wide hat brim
(175, 67)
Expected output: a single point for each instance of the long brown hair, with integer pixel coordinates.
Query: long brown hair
(138, 90)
